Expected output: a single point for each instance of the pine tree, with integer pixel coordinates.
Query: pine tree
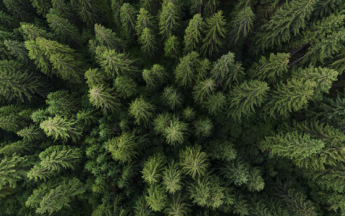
(12, 170)
(103, 97)
(18, 84)
(289, 19)
(125, 86)
(144, 20)
(63, 9)
(242, 24)
(185, 71)
(95, 77)
(53, 200)
(122, 148)
(172, 98)
(150, 5)
(210, 7)
(155, 77)
(245, 97)
(141, 110)
(172, 177)
(203, 89)
(153, 167)
(31, 133)
(64, 29)
(116, 64)
(42, 6)
(17, 49)
(88, 11)
(226, 71)
(214, 31)
(290, 97)
(106, 37)
(147, 40)
(193, 33)
(193, 161)
(156, 198)
(271, 68)
(169, 19)
(61, 128)
(62, 103)
(128, 18)
(203, 127)
(172, 47)
(215, 103)
(175, 132)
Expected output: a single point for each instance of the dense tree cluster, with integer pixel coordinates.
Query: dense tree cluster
(172, 107)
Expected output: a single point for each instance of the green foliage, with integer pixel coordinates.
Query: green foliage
(172, 178)
(141, 110)
(203, 127)
(95, 77)
(175, 131)
(104, 98)
(144, 20)
(193, 33)
(16, 83)
(147, 40)
(171, 47)
(172, 98)
(152, 171)
(244, 97)
(122, 148)
(128, 18)
(194, 162)
(61, 103)
(215, 34)
(154, 77)
(12, 170)
(106, 37)
(242, 24)
(156, 198)
(169, 19)
(125, 86)
(186, 69)
(61, 128)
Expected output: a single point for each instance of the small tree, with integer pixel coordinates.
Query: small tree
(155, 77)
(141, 110)
(128, 18)
(172, 98)
(12, 169)
(172, 178)
(148, 40)
(203, 127)
(61, 128)
(172, 47)
(122, 148)
(125, 86)
(169, 19)
(103, 97)
(144, 20)
(185, 71)
(106, 37)
(62, 103)
(215, 32)
(193, 33)
(193, 161)
(156, 197)
(175, 132)
(95, 77)
(153, 167)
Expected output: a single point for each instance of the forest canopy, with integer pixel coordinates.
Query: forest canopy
(172, 107)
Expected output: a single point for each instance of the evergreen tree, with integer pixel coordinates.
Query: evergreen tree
(172, 98)
(226, 71)
(115, 64)
(144, 20)
(271, 68)
(169, 19)
(106, 37)
(141, 110)
(289, 19)
(61, 128)
(88, 11)
(152, 171)
(18, 50)
(147, 40)
(175, 132)
(203, 89)
(95, 77)
(104, 98)
(18, 84)
(171, 47)
(125, 86)
(122, 148)
(193, 161)
(203, 127)
(214, 31)
(155, 77)
(64, 29)
(193, 33)
(42, 6)
(12, 170)
(244, 97)
(210, 7)
(156, 198)
(242, 24)
(61, 103)
(186, 69)
(172, 177)
(128, 15)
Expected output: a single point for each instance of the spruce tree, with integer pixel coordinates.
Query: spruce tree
(122, 148)
(141, 110)
(144, 20)
(214, 31)
(193, 33)
(61, 128)
(106, 37)
(155, 77)
(103, 97)
(185, 71)
(17, 83)
(12, 170)
(128, 18)
(169, 19)
(171, 47)
(147, 40)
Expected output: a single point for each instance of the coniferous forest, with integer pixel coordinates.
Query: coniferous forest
(172, 107)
